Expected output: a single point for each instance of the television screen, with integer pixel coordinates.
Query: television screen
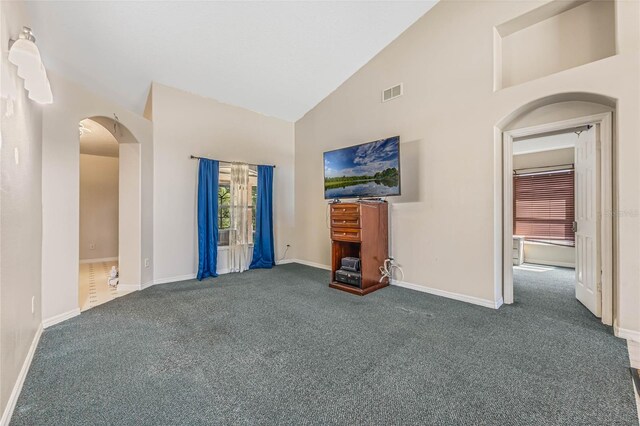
(368, 170)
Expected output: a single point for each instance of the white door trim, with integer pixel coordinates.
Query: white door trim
(605, 123)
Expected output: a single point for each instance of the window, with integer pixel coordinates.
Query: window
(543, 206)
(224, 202)
(224, 214)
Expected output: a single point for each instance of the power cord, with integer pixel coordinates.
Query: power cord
(327, 216)
(387, 269)
(284, 255)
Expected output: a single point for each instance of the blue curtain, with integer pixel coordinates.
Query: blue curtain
(208, 218)
(263, 253)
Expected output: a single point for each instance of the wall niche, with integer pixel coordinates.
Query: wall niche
(555, 37)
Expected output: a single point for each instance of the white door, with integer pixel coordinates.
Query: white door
(587, 221)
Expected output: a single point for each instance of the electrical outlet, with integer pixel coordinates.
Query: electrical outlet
(33, 305)
(147, 263)
(92, 246)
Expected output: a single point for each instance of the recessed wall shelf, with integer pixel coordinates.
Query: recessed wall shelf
(555, 37)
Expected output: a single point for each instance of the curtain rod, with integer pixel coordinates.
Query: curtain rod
(576, 130)
(195, 157)
(566, 166)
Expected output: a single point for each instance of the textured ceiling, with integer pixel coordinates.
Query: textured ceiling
(277, 58)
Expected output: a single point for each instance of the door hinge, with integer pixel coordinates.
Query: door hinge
(574, 226)
(600, 286)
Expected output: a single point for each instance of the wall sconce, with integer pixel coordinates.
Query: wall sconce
(25, 55)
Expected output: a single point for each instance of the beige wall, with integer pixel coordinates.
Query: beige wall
(130, 255)
(20, 218)
(60, 193)
(98, 206)
(186, 124)
(446, 230)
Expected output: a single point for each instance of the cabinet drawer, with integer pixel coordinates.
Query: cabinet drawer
(350, 221)
(345, 234)
(345, 209)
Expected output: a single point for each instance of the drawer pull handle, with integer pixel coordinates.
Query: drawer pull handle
(344, 221)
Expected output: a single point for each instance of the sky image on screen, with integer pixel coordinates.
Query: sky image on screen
(368, 170)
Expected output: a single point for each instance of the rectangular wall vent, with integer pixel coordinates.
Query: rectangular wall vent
(392, 93)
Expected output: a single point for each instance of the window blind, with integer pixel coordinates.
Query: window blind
(543, 206)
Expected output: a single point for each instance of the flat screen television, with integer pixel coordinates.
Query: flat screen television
(369, 170)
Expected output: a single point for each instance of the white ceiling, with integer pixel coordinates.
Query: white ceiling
(277, 58)
(545, 143)
(96, 140)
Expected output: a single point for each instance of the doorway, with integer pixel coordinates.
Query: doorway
(543, 216)
(99, 218)
(109, 212)
(550, 228)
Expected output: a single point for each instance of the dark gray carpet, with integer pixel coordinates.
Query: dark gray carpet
(280, 347)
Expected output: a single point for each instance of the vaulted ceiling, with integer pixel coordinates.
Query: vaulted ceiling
(276, 58)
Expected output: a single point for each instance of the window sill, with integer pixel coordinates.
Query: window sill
(226, 248)
(540, 243)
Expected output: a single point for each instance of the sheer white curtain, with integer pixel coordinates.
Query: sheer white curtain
(240, 226)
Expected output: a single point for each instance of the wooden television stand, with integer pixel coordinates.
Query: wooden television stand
(360, 230)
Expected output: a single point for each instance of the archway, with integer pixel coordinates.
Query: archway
(106, 137)
(548, 116)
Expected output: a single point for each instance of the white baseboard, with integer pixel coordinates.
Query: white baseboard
(147, 284)
(185, 277)
(456, 296)
(59, 318)
(99, 259)
(229, 271)
(625, 333)
(305, 262)
(424, 289)
(634, 353)
(17, 387)
(549, 263)
(128, 287)
(174, 279)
